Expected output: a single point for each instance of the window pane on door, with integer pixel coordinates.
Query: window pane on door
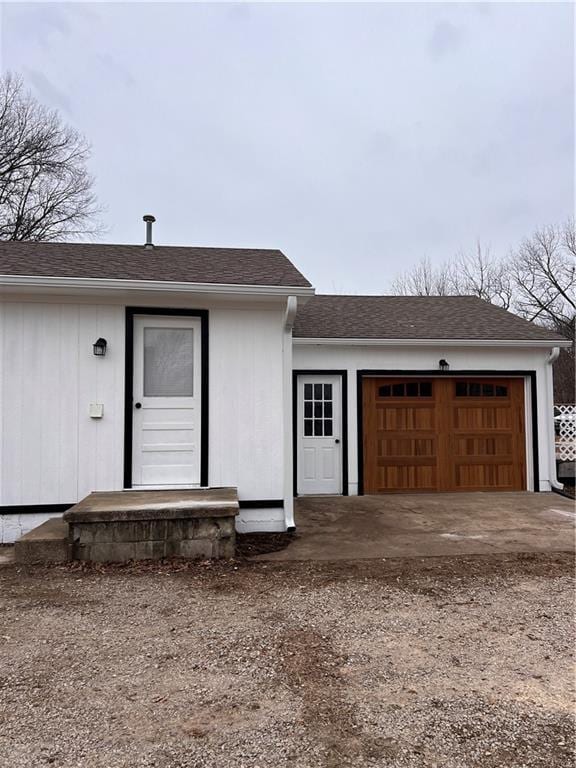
(318, 414)
(168, 362)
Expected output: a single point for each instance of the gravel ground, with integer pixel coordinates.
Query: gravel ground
(446, 662)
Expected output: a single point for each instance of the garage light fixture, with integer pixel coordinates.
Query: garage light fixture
(99, 347)
(444, 365)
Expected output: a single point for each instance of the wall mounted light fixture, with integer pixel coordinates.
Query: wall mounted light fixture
(444, 365)
(99, 347)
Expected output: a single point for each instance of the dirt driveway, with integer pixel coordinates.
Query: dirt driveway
(440, 662)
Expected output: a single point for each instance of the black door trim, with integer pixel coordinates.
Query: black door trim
(344, 395)
(129, 383)
(360, 374)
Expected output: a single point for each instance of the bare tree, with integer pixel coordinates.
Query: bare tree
(471, 274)
(480, 274)
(536, 281)
(45, 188)
(544, 276)
(425, 279)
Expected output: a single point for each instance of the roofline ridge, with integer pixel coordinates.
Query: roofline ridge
(83, 244)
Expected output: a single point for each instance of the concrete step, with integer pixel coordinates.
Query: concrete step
(117, 526)
(48, 543)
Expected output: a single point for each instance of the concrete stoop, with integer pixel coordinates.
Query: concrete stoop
(137, 525)
(48, 543)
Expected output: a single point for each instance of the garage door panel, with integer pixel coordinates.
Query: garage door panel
(405, 478)
(460, 435)
(402, 419)
(400, 436)
(481, 477)
(473, 446)
(487, 417)
(487, 449)
(399, 445)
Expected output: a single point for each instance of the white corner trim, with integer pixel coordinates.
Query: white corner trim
(162, 286)
(434, 342)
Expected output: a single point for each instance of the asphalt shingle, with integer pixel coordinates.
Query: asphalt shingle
(233, 266)
(412, 317)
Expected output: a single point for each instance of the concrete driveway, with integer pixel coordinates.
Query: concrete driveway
(418, 525)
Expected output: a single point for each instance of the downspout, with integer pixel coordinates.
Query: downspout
(552, 357)
(289, 317)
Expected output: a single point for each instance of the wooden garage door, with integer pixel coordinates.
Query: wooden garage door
(449, 434)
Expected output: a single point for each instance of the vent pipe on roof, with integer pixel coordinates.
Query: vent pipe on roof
(149, 221)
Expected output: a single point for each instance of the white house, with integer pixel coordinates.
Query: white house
(169, 367)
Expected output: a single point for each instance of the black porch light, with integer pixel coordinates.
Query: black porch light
(444, 365)
(99, 347)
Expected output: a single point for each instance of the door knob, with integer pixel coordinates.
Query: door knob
(138, 405)
(337, 440)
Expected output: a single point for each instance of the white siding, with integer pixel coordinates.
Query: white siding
(261, 520)
(246, 402)
(52, 452)
(354, 358)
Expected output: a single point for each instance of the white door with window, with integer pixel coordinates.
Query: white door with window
(319, 435)
(166, 401)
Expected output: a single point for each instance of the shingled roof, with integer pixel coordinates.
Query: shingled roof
(412, 317)
(231, 266)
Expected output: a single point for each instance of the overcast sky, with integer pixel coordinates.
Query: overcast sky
(355, 137)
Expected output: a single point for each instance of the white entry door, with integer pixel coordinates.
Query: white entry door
(319, 435)
(166, 401)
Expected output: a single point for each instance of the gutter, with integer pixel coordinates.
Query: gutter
(552, 357)
(163, 286)
(544, 343)
(290, 313)
(289, 318)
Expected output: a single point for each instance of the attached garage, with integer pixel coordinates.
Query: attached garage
(438, 394)
(443, 434)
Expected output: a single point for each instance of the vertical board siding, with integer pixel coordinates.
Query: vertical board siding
(246, 447)
(88, 377)
(53, 453)
(68, 353)
(12, 406)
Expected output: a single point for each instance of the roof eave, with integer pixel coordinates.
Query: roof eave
(545, 343)
(153, 286)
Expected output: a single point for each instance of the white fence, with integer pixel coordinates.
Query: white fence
(565, 427)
